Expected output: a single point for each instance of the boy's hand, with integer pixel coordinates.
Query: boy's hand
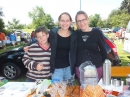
(39, 67)
(26, 48)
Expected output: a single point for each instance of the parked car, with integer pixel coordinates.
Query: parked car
(12, 66)
(106, 30)
(116, 29)
(26, 36)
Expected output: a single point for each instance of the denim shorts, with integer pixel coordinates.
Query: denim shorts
(62, 73)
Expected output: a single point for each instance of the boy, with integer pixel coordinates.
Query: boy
(37, 59)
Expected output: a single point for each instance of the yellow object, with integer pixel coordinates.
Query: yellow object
(120, 71)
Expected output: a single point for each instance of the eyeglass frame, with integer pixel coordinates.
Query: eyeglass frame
(79, 21)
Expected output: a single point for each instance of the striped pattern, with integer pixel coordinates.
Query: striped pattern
(36, 55)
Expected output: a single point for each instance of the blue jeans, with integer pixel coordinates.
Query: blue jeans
(29, 80)
(62, 74)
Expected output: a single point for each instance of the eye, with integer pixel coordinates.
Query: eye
(62, 21)
(67, 20)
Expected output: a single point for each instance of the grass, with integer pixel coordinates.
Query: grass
(125, 57)
(9, 47)
(22, 78)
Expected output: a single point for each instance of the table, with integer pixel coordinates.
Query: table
(77, 92)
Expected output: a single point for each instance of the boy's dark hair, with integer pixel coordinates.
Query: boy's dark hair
(41, 29)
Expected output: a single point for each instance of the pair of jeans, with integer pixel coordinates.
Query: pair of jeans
(62, 74)
(30, 80)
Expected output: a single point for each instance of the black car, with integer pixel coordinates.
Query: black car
(11, 65)
(11, 61)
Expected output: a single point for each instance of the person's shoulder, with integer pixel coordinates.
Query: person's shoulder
(54, 30)
(78, 31)
(72, 31)
(96, 30)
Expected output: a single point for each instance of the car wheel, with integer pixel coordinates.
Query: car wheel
(11, 71)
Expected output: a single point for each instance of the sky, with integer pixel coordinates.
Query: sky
(19, 8)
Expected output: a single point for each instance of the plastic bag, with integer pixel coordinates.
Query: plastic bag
(88, 74)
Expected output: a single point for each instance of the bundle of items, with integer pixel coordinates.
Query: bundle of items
(89, 81)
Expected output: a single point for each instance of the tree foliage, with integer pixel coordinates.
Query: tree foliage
(2, 25)
(94, 20)
(40, 18)
(125, 5)
(14, 24)
(119, 18)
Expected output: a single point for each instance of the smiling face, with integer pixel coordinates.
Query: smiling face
(42, 37)
(65, 21)
(82, 21)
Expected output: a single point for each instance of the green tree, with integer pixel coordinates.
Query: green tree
(100, 23)
(125, 5)
(94, 20)
(2, 25)
(116, 12)
(118, 18)
(40, 18)
(15, 24)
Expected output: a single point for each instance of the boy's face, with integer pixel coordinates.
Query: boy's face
(42, 37)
